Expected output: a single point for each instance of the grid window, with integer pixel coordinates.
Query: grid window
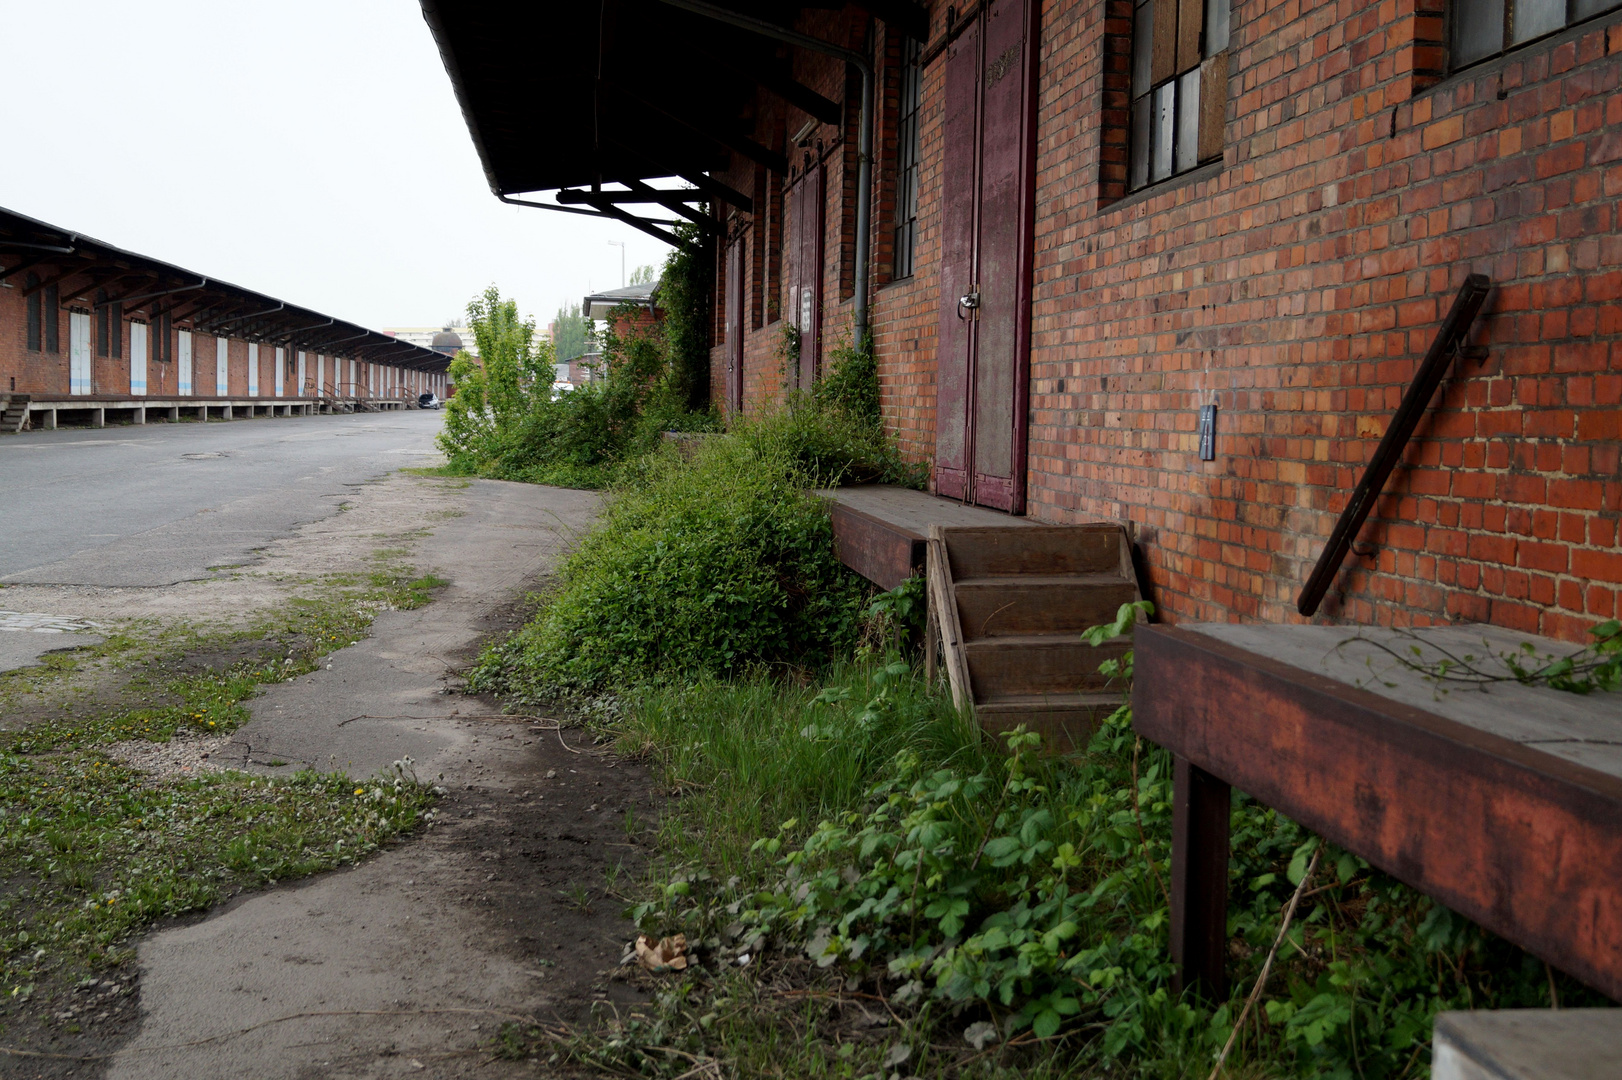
(1485, 28)
(1179, 86)
(906, 179)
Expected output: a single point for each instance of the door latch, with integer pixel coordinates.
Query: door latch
(969, 301)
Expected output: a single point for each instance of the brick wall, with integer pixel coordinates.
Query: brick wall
(1297, 284)
(46, 374)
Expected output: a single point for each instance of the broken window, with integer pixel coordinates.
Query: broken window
(1179, 86)
(1485, 28)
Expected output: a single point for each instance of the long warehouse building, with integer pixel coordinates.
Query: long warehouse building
(91, 333)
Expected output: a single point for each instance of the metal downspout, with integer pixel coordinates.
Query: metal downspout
(864, 144)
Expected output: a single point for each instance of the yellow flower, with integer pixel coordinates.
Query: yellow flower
(360, 791)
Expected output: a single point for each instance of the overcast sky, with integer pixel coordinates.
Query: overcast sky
(309, 149)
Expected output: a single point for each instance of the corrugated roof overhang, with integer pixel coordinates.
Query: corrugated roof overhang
(87, 272)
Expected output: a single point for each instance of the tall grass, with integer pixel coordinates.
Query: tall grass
(749, 754)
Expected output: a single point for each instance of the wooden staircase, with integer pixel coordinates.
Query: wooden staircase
(1008, 606)
(13, 412)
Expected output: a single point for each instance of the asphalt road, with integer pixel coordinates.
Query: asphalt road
(152, 505)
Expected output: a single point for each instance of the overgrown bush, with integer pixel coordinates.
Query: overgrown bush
(1022, 899)
(505, 420)
(709, 562)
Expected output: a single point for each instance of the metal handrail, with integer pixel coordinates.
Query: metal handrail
(1449, 343)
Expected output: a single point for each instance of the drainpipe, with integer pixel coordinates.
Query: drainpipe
(864, 151)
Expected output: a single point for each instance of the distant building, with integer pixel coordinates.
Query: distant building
(456, 337)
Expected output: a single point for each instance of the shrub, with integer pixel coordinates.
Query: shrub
(1022, 898)
(704, 565)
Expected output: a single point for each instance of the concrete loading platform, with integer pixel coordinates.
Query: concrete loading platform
(46, 414)
(880, 530)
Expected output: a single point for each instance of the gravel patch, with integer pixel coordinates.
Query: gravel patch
(184, 755)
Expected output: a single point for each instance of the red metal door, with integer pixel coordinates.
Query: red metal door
(988, 211)
(805, 295)
(734, 328)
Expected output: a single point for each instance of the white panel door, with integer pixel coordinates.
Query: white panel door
(182, 364)
(280, 367)
(138, 359)
(78, 352)
(253, 370)
(320, 373)
(222, 367)
(303, 386)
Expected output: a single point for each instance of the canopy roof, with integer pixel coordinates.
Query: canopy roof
(623, 92)
(90, 273)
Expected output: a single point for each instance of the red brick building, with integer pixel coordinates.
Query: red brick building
(90, 332)
(1092, 217)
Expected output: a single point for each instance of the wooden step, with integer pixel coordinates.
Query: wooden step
(1065, 721)
(1037, 664)
(1040, 603)
(978, 552)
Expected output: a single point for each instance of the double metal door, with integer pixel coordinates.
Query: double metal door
(988, 212)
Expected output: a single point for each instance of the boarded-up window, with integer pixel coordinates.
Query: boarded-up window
(116, 318)
(1179, 86)
(906, 166)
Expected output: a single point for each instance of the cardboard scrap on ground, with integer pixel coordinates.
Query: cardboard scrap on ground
(666, 954)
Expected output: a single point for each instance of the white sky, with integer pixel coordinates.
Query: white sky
(309, 149)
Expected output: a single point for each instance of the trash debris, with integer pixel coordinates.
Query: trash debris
(667, 954)
(979, 1034)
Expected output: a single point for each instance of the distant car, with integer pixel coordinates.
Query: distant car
(429, 401)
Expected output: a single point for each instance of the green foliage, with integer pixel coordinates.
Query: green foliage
(851, 384)
(498, 389)
(571, 331)
(683, 296)
(707, 564)
(646, 274)
(505, 421)
(829, 446)
(1023, 898)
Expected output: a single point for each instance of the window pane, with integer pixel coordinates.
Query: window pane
(1216, 26)
(1583, 9)
(1138, 175)
(1188, 121)
(1534, 18)
(1164, 122)
(1143, 38)
(1478, 30)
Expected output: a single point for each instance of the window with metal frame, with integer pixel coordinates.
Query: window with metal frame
(116, 321)
(1482, 29)
(906, 165)
(1179, 87)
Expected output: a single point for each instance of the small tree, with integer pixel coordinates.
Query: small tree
(495, 391)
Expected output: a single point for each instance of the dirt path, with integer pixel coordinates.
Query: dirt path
(408, 964)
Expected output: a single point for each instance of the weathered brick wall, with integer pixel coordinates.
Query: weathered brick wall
(1301, 285)
(46, 374)
(1297, 285)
